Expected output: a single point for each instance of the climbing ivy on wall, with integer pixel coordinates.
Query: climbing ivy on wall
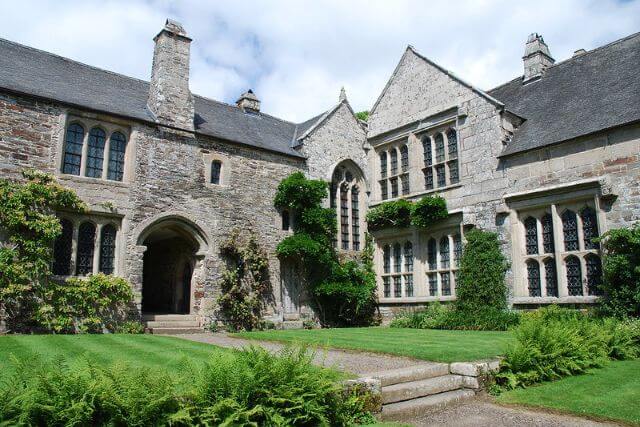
(343, 290)
(403, 213)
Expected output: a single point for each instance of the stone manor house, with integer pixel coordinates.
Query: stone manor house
(549, 160)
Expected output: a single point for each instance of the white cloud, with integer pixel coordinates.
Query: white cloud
(296, 54)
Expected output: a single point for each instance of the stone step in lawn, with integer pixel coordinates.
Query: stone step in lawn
(400, 411)
(152, 324)
(416, 389)
(168, 317)
(174, 331)
(412, 373)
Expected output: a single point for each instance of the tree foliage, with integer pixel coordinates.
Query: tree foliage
(343, 291)
(621, 284)
(28, 228)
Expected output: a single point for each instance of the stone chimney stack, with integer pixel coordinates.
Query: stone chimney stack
(170, 99)
(249, 102)
(537, 57)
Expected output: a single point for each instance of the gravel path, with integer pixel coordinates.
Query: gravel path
(358, 363)
(482, 413)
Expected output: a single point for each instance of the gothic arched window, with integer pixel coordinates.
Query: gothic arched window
(574, 275)
(452, 143)
(547, 233)
(594, 274)
(355, 218)
(86, 242)
(444, 252)
(531, 232)
(107, 249)
(62, 250)
(426, 149)
(570, 230)
(344, 216)
(551, 277)
(117, 149)
(383, 164)
(394, 161)
(589, 228)
(432, 254)
(95, 153)
(533, 276)
(73, 142)
(404, 157)
(216, 168)
(439, 140)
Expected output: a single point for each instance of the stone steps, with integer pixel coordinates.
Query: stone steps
(406, 409)
(168, 317)
(174, 331)
(413, 373)
(172, 324)
(152, 324)
(416, 389)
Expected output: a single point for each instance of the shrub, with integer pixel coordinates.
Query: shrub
(438, 316)
(621, 271)
(552, 343)
(94, 304)
(390, 214)
(298, 193)
(428, 210)
(249, 387)
(481, 279)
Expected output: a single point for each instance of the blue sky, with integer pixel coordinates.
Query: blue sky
(297, 54)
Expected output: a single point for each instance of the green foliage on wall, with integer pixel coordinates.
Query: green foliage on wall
(343, 291)
(363, 115)
(621, 270)
(403, 213)
(28, 228)
(245, 284)
(481, 283)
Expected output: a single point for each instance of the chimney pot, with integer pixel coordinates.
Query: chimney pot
(249, 102)
(579, 52)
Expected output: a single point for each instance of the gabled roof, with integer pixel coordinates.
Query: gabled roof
(588, 93)
(34, 72)
(411, 50)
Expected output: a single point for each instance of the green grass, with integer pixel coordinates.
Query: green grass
(136, 350)
(427, 344)
(612, 392)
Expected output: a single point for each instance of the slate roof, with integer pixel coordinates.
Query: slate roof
(38, 73)
(595, 91)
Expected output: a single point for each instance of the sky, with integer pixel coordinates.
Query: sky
(296, 55)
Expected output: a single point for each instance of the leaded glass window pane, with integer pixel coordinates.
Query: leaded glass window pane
(404, 158)
(433, 284)
(428, 179)
(445, 280)
(551, 277)
(86, 242)
(570, 230)
(457, 249)
(574, 276)
(533, 275)
(117, 149)
(439, 140)
(442, 178)
(444, 252)
(547, 233)
(383, 164)
(452, 142)
(394, 187)
(397, 286)
(216, 168)
(454, 173)
(95, 153)
(384, 190)
(62, 250)
(344, 217)
(589, 228)
(386, 282)
(594, 274)
(394, 161)
(74, 139)
(404, 180)
(107, 249)
(531, 235)
(432, 254)
(408, 257)
(355, 219)
(397, 258)
(408, 285)
(387, 259)
(426, 149)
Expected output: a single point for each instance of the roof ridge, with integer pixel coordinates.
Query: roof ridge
(230, 106)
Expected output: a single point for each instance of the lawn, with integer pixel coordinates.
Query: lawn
(612, 392)
(427, 344)
(136, 350)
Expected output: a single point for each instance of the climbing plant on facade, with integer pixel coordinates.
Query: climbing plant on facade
(403, 213)
(343, 291)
